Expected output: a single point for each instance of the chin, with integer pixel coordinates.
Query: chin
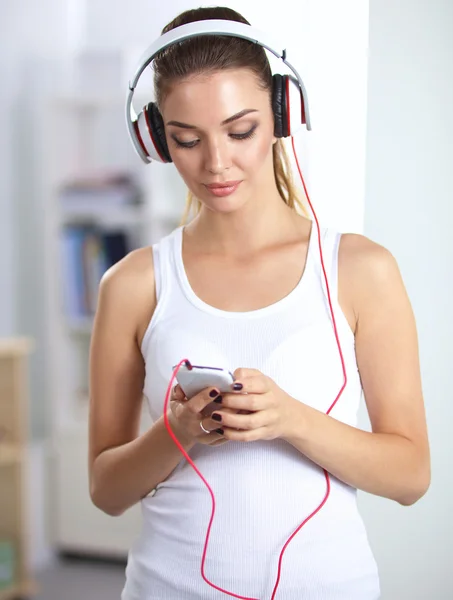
(226, 204)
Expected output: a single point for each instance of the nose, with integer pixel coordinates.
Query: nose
(217, 157)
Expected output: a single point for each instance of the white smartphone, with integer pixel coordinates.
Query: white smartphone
(195, 378)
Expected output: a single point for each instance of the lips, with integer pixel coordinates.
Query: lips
(223, 189)
(227, 184)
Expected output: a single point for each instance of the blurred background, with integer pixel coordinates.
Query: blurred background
(74, 199)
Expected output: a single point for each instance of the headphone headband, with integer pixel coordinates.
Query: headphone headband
(196, 29)
(199, 28)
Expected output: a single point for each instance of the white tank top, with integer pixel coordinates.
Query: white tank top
(263, 489)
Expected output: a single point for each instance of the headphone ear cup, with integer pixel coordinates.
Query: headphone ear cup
(279, 106)
(288, 105)
(158, 131)
(150, 132)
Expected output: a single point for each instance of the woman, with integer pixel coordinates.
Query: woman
(240, 286)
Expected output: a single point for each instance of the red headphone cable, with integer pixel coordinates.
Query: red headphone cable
(326, 474)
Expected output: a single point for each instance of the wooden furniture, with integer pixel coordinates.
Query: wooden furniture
(13, 451)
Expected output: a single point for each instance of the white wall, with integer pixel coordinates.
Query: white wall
(409, 210)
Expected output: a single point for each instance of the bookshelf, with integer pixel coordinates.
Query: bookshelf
(15, 577)
(84, 138)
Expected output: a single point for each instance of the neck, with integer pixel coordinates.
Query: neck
(263, 220)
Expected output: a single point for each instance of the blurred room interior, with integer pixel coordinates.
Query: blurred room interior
(74, 199)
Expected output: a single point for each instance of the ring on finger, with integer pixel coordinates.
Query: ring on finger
(202, 427)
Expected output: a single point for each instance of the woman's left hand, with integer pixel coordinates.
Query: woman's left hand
(269, 411)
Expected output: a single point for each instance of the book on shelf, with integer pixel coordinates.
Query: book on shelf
(100, 191)
(86, 254)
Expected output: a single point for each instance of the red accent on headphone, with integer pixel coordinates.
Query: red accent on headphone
(326, 474)
(139, 137)
(302, 108)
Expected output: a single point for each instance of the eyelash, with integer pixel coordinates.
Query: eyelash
(236, 136)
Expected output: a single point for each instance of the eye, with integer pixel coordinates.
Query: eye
(190, 144)
(244, 136)
(235, 136)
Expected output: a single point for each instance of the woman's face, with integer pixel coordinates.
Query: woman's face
(220, 130)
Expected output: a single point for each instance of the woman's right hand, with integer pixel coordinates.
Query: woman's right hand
(185, 416)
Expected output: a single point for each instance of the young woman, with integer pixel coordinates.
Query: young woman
(240, 287)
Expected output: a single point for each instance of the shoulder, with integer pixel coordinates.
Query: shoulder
(127, 289)
(366, 271)
(133, 277)
(359, 253)
(364, 260)
(129, 270)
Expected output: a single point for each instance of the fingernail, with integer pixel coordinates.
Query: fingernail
(237, 386)
(213, 393)
(220, 430)
(216, 417)
(218, 399)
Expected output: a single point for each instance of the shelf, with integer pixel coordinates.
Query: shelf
(15, 346)
(10, 454)
(14, 492)
(106, 216)
(82, 101)
(18, 590)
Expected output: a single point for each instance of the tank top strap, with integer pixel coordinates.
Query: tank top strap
(164, 275)
(332, 245)
(157, 264)
(330, 242)
(164, 267)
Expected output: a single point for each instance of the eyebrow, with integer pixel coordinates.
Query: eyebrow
(235, 117)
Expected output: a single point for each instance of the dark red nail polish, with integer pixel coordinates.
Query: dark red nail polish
(216, 417)
(213, 393)
(220, 430)
(237, 386)
(218, 399)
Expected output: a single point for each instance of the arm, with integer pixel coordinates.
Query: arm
(392, 461)
(123, 466)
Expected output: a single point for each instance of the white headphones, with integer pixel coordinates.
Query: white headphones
(289, 98)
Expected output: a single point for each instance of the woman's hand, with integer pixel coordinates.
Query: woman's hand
(186, 415)
(266, 412)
